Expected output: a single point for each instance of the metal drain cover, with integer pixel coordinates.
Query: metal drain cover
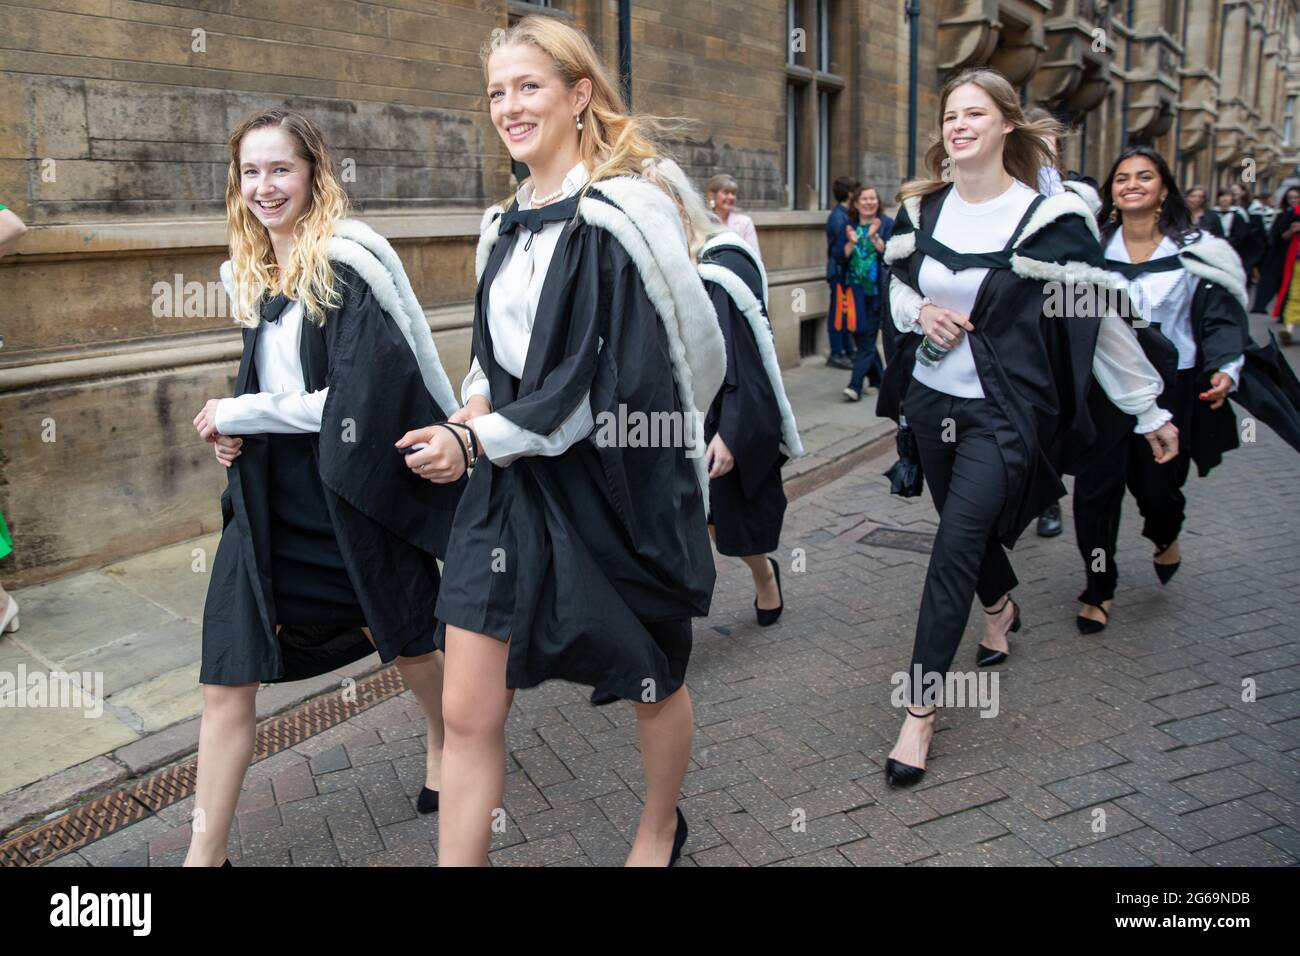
(919, 541)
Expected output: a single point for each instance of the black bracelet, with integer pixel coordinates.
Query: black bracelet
(473, 442)
(459, 444)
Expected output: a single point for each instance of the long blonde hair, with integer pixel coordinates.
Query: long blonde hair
(612, 141)
(1026, 149)
(309, 277)
(701, 223)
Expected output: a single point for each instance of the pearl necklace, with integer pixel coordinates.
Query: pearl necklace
(543, 200)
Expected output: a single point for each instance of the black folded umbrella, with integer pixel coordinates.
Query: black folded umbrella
(905, 477)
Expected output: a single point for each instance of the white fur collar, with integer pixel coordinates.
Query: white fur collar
(357, 245)
(1048, 211)
(1087, 194)
(1213, 259)
(729, 238)
(760, 325)
(646, 223)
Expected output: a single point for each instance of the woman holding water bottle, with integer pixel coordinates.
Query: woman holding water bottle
(993, 378)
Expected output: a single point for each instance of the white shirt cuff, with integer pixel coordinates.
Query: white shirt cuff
(1233, 371)
(1151, 419)
(503, 441)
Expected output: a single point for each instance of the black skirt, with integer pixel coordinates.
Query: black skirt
(539, 560)
(308, 576)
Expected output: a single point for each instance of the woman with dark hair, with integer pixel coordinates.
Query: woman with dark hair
(1189, 291)
(997, 378)
(866, 234)
(1285, 224)
(1287, 307)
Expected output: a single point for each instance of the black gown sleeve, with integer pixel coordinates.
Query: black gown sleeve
(1221, 329)
(745, 411)
(376, 395)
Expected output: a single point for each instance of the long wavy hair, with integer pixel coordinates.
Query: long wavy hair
(612, 141)
(1025, 150)
(698, 220)
(308, 277)
(1175, 219)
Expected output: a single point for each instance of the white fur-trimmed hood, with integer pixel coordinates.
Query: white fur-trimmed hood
(1214, 259)
(756, 315)
(1051, 209)
(646, 223)
(357, 245)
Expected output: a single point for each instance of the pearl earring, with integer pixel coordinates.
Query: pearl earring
(579, 119)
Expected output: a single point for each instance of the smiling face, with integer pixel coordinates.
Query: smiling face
(1291, 198)
(274, 181)
(1195, 199)
(973, 127)
(1137, 188)
(532, 109)
(868, 205)
(724, 201)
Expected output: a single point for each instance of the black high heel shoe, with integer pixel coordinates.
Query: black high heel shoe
(1087, 625)
(986, 656)
(768, 616)
(1166, 571)
(679, 838)
(428, 801)
(899, 774)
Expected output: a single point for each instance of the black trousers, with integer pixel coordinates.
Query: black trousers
(1099, 494)
(968, 482)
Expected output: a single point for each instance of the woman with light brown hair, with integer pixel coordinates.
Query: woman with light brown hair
(329, 547)
(581, 547)
(992, 375)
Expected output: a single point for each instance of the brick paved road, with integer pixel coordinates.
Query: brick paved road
(1145, 722)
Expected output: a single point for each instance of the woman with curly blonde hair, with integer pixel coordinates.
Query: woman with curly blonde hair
(581, 545)
(329, 545)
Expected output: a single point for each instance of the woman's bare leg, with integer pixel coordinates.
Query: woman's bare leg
(765, 588)
(475, 703)
(424, 676)
(226, 733)
(665, 730)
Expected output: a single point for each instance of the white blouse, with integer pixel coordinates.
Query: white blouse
(283, 406)
(1165, 299)
(512, 308)
(1118, 363)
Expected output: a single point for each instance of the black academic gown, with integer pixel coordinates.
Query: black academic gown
(591, 562)
(747, 505)
(1034, 369)
(389, 525)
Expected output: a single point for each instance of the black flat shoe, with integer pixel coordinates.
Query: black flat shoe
(899, 774)
(428, 801)
(679, 838)
(986, 656)
(1165, 571)
(600, 700)
(1087, 625)
(768, 616)
(1049, 522)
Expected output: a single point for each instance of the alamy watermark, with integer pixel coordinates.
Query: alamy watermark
(953, 689)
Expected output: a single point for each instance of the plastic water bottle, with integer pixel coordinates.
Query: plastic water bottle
(929, 354)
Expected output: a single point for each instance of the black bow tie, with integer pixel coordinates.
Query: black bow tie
(1131, 270)
(273, 307)
(534, 219)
